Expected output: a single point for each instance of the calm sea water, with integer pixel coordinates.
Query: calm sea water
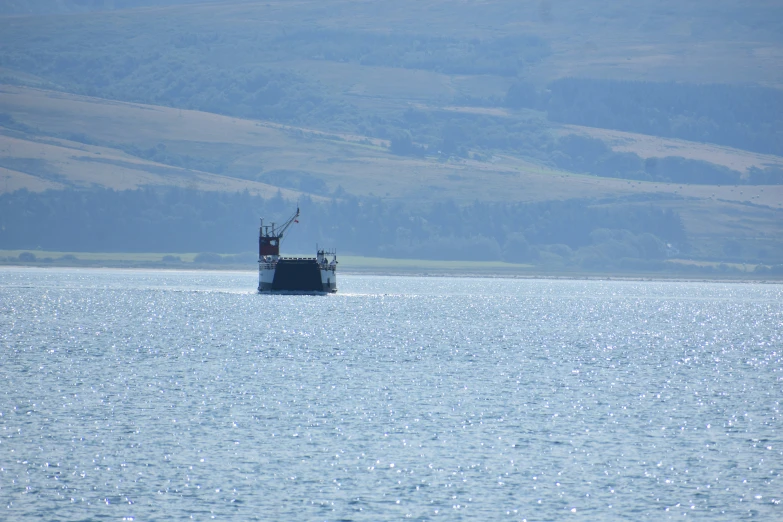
(153, 395)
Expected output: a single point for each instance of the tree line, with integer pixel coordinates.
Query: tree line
(577, 153)
(745, 116)
(176, 220)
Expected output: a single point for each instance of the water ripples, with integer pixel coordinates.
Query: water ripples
(153, 394)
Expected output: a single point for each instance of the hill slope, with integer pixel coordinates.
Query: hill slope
(68, 134)
(40, 150)
(413, 102)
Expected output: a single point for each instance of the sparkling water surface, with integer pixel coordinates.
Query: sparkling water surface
(157, 395)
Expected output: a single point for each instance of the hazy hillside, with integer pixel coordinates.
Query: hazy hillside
(356, 66)
(411, 102)
(24, 7)
(72, 142)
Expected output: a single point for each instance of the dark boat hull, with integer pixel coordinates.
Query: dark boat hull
(299, 276)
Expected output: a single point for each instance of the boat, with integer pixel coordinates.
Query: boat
(293, 275)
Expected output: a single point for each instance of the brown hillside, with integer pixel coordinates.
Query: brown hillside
(40, 156)
(253, 148)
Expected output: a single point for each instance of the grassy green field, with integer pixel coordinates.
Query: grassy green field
(347, 263)
(379, 265)
(386, 266)
(96, 257)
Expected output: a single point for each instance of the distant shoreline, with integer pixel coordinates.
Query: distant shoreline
(357, 265)
(574, 276)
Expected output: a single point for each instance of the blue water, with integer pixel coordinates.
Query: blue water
(155, 395)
